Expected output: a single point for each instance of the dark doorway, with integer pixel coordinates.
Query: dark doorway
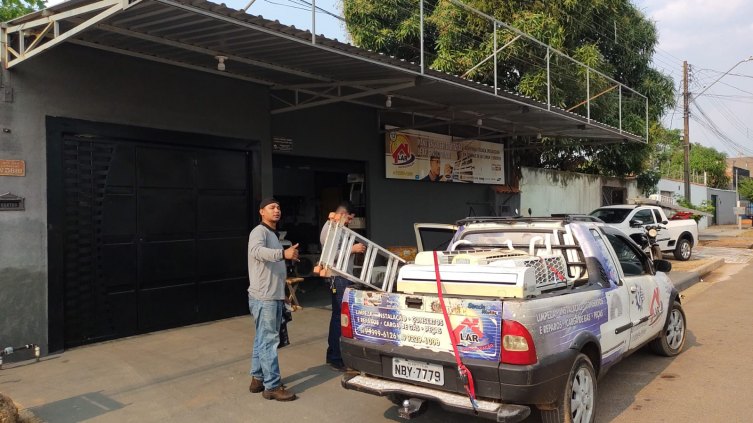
(310, 188)
(611, 196)
(154, 236)
(715, 202)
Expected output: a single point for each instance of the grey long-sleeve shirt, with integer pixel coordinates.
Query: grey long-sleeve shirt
(266, 265)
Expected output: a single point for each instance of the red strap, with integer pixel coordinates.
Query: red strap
(465, 374)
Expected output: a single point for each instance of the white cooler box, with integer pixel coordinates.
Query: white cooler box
(506, 274)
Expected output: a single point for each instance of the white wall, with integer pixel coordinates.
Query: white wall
(725, 202)
(698, 193)
(550, 191)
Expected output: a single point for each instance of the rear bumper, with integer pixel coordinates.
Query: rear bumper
(541, 383)
(506, 413)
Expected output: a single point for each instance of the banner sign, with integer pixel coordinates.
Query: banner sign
(385, 319)
(424, 156)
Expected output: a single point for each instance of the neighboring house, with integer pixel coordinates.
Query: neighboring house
(738, 167)
(723, 200)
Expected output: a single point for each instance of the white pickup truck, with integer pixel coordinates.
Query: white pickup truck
(533, 312)
(679, 237)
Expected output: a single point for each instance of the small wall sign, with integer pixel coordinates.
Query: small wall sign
(12, 168)
(282, 145)
(11, 202)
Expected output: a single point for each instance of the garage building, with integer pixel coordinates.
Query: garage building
(148, 130)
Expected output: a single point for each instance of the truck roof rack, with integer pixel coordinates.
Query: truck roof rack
(512, 219)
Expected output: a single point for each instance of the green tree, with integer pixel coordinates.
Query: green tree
(10, 9)
(745, 188)
(702, 159)
(455, 41)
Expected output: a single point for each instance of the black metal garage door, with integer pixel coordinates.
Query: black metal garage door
(155, 237)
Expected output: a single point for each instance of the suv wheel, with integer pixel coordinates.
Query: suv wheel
(578, 402)
(683, 250)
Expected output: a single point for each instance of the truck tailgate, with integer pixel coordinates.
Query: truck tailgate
(416, 321)
(404, 338)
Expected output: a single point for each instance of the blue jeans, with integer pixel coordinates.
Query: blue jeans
(267, 317)
(333, 350)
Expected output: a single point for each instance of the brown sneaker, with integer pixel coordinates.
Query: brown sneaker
(279, 394)
(256, 386)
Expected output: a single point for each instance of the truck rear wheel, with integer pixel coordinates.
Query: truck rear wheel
(683, 250)
(578, 402)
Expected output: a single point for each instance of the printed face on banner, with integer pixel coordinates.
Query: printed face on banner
(423, 156)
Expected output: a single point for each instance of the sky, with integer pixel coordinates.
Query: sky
(712, 35)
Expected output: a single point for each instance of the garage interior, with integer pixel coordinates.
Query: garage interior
(308, 191)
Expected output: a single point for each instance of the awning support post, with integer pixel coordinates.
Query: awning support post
(588, 95)
(494, 22)
(421, 30)
(620, 108)
(548, 80)
(313, 21)
(646, 119)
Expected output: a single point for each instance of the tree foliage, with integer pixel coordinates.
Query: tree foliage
(10, 9)
(702, 160)
(745, 188)
(612, 36)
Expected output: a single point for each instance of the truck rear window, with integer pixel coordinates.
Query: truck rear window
(611, 215)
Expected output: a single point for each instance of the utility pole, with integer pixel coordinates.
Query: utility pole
(686, 135)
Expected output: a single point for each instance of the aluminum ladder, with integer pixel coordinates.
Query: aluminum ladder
(380, 266)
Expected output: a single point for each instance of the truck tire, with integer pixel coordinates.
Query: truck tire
(672, 337)
(578, 401)
(683, 250)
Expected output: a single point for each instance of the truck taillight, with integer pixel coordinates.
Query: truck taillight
(346, 325)
(517, 344)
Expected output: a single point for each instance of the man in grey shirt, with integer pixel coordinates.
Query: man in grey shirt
(266, 298)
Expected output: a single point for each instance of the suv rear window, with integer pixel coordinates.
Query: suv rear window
(611, 215)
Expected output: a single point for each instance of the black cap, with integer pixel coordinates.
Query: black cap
(267, 201)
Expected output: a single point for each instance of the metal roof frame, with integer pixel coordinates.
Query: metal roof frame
(319, 72)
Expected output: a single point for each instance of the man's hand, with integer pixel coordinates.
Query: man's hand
(358, 248)
(291, 253)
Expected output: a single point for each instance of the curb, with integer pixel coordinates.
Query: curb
(688, 279)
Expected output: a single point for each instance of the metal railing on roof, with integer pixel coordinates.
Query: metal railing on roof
(603, 99)
(506, 62)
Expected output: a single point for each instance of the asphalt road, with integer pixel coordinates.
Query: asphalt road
(711, 380)
(198, 374)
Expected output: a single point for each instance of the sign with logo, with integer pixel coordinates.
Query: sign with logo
(10, 202)
(738, 211)
(424, 156)
(282, 145)
(385, 319)
(12, 168)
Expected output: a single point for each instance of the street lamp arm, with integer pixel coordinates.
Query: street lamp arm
(722, 76)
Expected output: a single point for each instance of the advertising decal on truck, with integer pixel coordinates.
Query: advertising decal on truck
(386, 319)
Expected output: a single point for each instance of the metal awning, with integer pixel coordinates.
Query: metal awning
(301, 70)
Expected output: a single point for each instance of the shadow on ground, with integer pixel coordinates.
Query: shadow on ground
(617, 390)
(76, 409)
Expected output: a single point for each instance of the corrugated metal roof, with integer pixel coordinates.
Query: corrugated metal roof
(191, 33)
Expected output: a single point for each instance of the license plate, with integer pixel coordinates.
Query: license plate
(417, 371)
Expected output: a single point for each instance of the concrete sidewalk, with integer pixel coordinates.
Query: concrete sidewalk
(724, 231)
(692, 273)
